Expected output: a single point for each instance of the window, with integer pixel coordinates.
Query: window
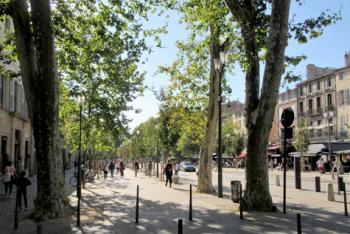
(318, 102)
(301, 107)
(318, 85)
(301, 91)
(347, 97)
(329, 82)
(329, 99)
(319, 122)
(311, 129)
(310, 104)
(343, 121)
(341, 75)
(310, 88)
(12, 98)
(341, 97)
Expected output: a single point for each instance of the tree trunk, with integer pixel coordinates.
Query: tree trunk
(260, 111)
(205, 184)
(40, 78)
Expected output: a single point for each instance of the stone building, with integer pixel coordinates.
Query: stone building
(16, 138)
(316, 100)
(285, 99)
(233, 112)
(342, 83)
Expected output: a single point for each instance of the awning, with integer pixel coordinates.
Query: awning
(313, 150)
(342, 152)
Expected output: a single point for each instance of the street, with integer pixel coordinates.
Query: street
(108, 206)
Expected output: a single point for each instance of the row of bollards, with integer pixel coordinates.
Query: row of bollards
(179, 221)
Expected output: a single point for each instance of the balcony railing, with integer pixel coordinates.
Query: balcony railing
(329, 108)
(301, 113)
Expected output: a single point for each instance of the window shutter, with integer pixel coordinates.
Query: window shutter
(12, 96)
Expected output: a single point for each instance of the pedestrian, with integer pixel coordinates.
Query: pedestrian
(337, 165)
(117, 167)
(320, 165)
(9, 178)
(111, 168)
(75, 165)
(271, 164)
(22, 184)
(150, 168)
(168, 171)
(136, 168)
(121, 168)
(177, 168)
(105, 170)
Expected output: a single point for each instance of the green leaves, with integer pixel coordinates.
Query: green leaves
(99, 45)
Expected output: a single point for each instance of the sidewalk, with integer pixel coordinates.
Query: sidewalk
(108, 206)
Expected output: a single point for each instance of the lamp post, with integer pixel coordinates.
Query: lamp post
(81, 101)
(219, 66)
(329, 115)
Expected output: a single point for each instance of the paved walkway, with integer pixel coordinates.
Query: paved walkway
(108, 206)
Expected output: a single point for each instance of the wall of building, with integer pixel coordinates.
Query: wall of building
(343, 103)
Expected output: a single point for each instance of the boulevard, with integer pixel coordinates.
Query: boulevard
(108, 206)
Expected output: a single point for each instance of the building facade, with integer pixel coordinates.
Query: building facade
(16, 137)
(342, 80)
(316, 100)
(287, 99)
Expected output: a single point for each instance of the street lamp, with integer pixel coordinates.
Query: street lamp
(80, 100)
(329, 116)
(219, 66)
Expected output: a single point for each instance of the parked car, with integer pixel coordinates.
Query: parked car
(187, 166)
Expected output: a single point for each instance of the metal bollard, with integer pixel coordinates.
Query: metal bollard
(318, 184)
(190, 214)
(16, 210)
(240, 202)
(340, 184)
(179, 226)
(137, 205)
(299, 223)
(345, 202)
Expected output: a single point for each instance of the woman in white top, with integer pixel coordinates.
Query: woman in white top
(9, 177)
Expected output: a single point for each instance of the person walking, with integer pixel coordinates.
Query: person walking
(177, 168)
(75, 165)
(320, 165)
(105, 171)
(121, 168)
(22, 184)
(150, 168)
(168, 171)
(9, 178)
(111, 168)
(136, 168)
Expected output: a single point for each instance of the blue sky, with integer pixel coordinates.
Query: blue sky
(326, 51)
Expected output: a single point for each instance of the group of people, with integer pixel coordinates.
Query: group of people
(113, 166)
(167, 171)
(10, 178)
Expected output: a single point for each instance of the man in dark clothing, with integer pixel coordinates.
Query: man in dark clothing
(75, 165)
(168, 171)
(22, 184)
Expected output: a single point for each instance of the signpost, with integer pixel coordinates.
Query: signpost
(287, 119)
